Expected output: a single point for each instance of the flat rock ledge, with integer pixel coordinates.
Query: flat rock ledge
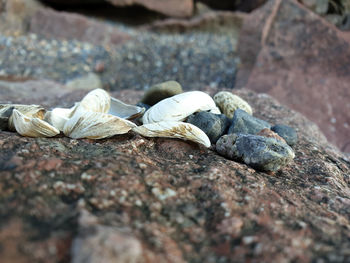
(132, 199)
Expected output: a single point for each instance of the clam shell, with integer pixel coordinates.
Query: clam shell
(125, 111)
(179, 107)
(95, 125)
(32, 111)
(59, 116)
(97, 100)
(174, 129)
(32, 127)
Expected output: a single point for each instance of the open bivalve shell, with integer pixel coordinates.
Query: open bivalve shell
(32, 126)
(125, 111)
(99, 100)
(174, 129)
(179, 107)
(31, 111)
(59, 116)
(95, 125)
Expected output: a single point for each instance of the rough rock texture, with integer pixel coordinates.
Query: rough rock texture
(300, 58)
(176, 8)
(260, 152)
(51, 24)
(29, 16)
(181, 202)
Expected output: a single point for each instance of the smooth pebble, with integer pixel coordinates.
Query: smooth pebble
(161, 91)
(287, 133)
(261, 153)
(244, 123)
(213, 125)
(229, 103)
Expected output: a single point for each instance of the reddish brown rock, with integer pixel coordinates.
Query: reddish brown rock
(211, 21)
(302, 61)
(49, 23)
(164, 200)
(270, 134)
(176, 8)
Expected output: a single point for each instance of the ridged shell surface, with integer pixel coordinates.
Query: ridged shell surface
(97, 100)
(32, 111)
(32, 127)
(59, 116)
(95, 125)
(174, 129)
(179, 107)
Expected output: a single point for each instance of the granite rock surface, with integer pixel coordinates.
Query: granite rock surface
(166, 200)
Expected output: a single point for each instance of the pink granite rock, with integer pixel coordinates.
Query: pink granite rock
(176, 8)
(303, 61)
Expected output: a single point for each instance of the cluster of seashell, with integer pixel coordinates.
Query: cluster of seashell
(98, 115)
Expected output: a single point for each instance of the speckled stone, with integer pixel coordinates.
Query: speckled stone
(244, 123)
(229, 103)
(287, 133)
(161, 91)
(214, 125)
(261, 153)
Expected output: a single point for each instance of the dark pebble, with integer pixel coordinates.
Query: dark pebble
(4, 118)
(161, 91)
(287, 133)
(213, 125)
(243, 122)
(261, 153)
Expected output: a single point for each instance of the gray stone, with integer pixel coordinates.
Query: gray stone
(261, 153)
(4, 118)
(214, 125)
(161, 91)
(244, 123)
(287, 133)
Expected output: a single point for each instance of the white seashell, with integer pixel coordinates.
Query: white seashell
(32, 127)
(125, 111)
(95, 125)
(32, 111)
(174, 129)
(59, 116)
(97, 100)
(179, 107)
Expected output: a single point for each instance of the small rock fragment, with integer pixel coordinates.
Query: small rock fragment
(4, 118)
(244, 123)
(261, 153)
(287, 133)
(270, 134)
(213, 125)
(161, 91)
(229, 103)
